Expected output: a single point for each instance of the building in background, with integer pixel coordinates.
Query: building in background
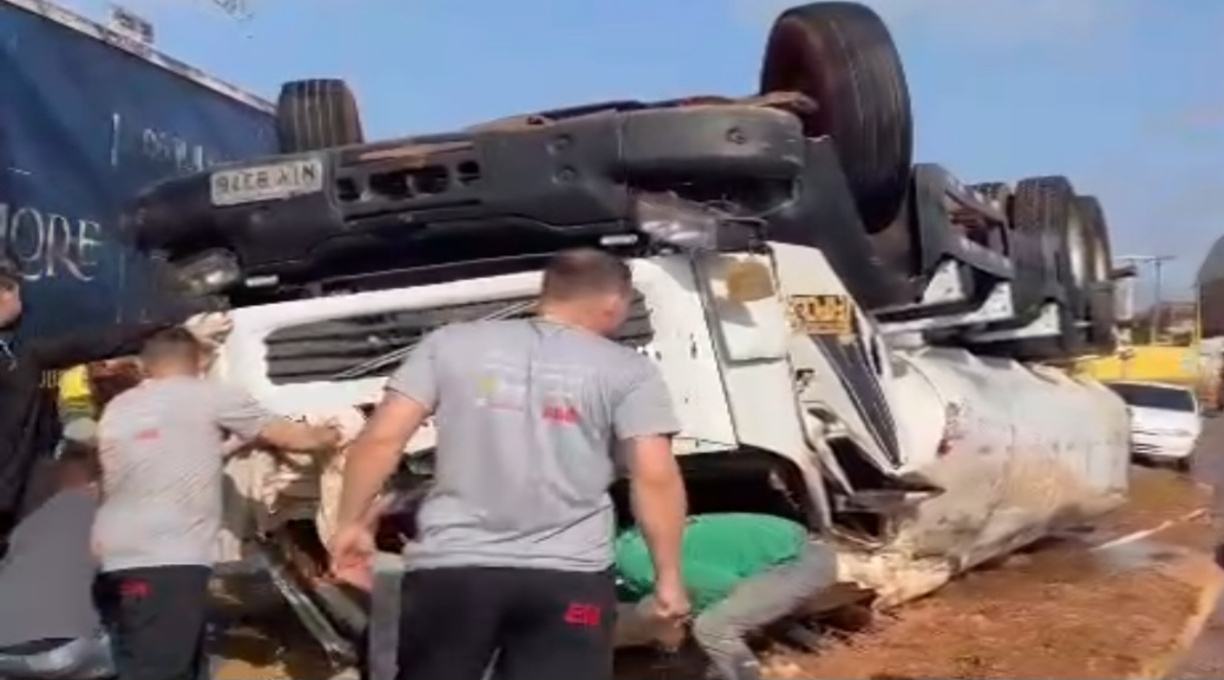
(1210, 290)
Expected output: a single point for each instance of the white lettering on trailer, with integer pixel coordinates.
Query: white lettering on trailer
(267, 182)
(48, 245)
(171, 152)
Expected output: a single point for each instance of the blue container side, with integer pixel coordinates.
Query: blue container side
(85, 125)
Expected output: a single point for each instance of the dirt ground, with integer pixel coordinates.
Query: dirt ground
(1058, 610)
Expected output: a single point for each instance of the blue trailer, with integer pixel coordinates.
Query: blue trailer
(89, 116)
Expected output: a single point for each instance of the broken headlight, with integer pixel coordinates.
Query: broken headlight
(208, 273)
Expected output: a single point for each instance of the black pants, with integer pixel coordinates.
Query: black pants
(541, 624)
(157, 620)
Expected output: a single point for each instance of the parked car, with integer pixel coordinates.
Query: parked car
(1165, 421)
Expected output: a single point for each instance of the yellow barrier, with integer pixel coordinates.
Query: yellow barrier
(1188, 366)
(1146, 362)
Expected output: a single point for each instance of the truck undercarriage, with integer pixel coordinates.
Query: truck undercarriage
(864, 344)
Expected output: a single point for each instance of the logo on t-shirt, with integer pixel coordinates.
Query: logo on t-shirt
(561, 413)
(502, 393)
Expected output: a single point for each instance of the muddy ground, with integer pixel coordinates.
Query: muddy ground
(1062, 609)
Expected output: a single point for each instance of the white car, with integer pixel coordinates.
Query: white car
(1165, 421)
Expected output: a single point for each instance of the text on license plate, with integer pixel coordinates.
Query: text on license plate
(822, 314)
(266, 182)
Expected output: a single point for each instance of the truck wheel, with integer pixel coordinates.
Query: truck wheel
(1045, 208)
(840, 54)
(315, 114)
(1102, 309)
(1100, 253)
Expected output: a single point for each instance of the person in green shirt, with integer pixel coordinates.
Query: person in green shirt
(742, 572)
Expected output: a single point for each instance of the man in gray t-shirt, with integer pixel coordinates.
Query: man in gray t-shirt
(161, 449)
(515, 542)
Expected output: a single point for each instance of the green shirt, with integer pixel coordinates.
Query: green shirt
(719, 551)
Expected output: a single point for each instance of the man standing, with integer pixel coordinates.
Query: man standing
(515, 545)
(156, 531)
(27, 412)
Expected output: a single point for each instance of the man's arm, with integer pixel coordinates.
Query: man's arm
(645, 421)
(237, 412)
(292, 435)
(412, 393)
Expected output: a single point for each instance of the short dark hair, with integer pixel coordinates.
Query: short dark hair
(584, 272)
(176, 343)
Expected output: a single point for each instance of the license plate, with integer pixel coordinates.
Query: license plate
(267, 182)
(822, 314)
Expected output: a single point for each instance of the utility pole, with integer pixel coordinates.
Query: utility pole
(1157, 262)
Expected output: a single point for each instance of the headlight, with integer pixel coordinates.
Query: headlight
(667, 219)
(209, 273)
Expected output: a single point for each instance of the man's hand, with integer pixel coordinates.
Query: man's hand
(671, 602)
(352, 556)
(211, 328)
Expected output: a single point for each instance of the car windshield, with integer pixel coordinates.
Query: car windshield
(1154, 396)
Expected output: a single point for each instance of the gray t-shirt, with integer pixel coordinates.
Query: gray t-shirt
(161, 451)
(47, 576)
(528, 413)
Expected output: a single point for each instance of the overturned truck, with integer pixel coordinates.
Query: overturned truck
(863, 343)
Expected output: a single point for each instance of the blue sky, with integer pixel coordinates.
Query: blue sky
(1120, 95)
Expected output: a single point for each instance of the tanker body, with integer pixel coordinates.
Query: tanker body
(852, 340)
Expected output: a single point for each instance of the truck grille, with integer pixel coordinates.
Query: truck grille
(372, 345)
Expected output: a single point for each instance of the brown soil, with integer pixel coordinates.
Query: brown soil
(1037, 620)
(1157, 496)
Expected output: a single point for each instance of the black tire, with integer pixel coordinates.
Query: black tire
(316, 114)
(841, 55)
(1102, 309)
(1100, 250)
(1045, 208)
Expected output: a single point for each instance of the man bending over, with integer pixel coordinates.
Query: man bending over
(743, 572)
